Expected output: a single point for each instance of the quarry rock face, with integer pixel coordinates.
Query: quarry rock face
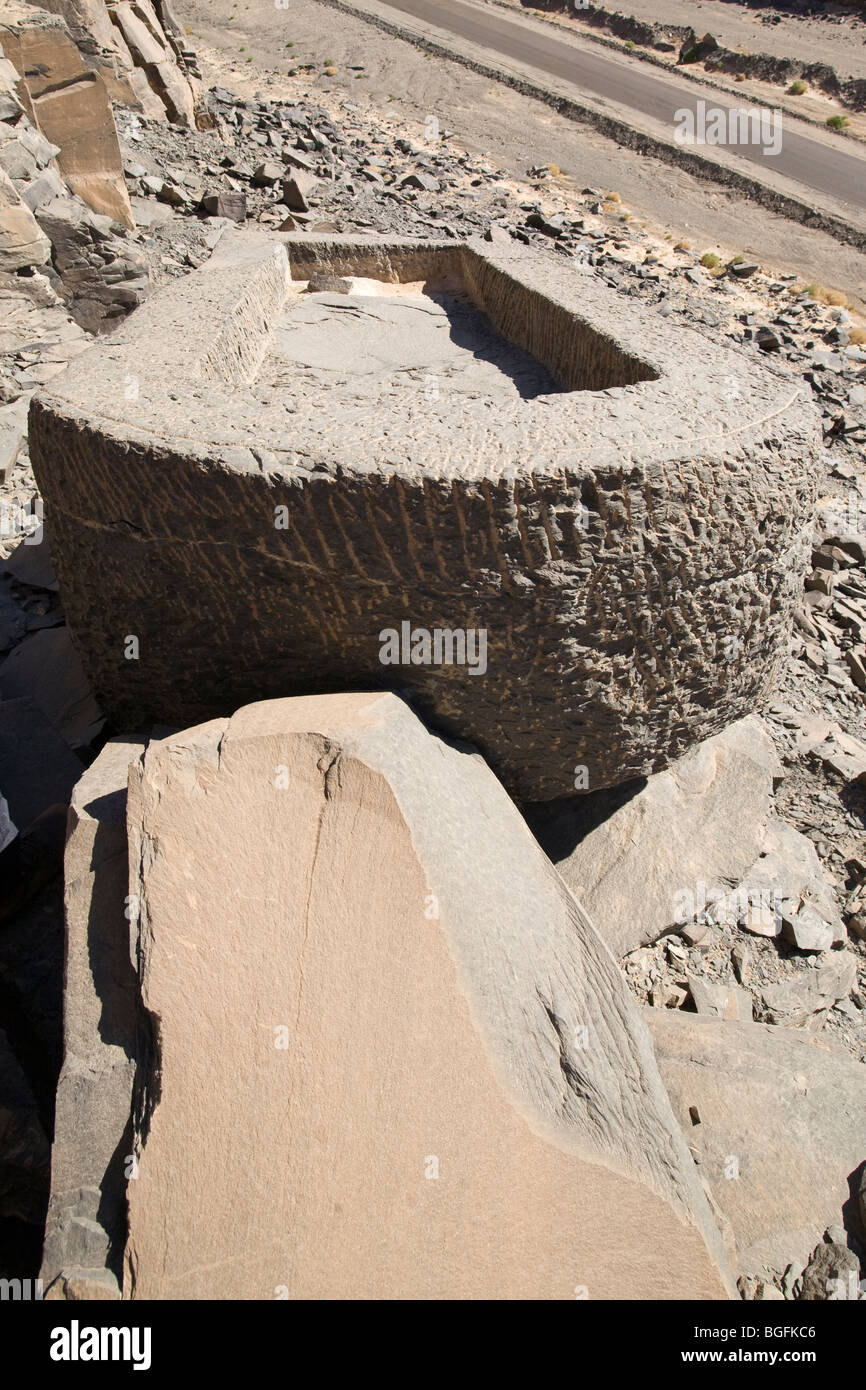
(138, 50)
(69, 104)
(391, 1057)
(570, 531)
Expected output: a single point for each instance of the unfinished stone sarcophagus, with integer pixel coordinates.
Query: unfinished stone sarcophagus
(316, 454)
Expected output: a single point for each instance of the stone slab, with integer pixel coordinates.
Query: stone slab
(92, 1151)
(782, 1129)
(393, 1058)
(69, 104)
(687, 836)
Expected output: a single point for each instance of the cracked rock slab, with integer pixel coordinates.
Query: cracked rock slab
(782, 1127)
(630, 537)
(391, 1056)
(682, 840)
(22, 243)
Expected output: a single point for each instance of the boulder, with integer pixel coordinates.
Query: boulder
(782, 1127)
(146, 46)
(788, 875)
(92, 1150)
(151, 51)
(718, 999)
(423, 1072)
(684, 838)
(103, 276)
(43, 190)
(298, 190)
(832, 1274)
(802, 1000)
(225, 204)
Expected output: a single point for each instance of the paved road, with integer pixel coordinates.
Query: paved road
(815, 164)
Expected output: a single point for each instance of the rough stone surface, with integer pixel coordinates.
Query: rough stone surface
(631, 543)
(86, 1226)
(22, 243)
(782, 1128)
(136, 52)
(801, 1001)
(789, 867)
(831, 1274)
(361, 971)
(691, 831)
(150, 47)
(716, 999)
(102, 276)
(85, 1286)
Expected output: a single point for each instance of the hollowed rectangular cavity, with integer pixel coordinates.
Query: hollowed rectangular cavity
(503, 333)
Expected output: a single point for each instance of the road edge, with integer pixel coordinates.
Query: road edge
(615, 128)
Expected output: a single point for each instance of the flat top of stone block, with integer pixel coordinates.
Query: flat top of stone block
(542, 369)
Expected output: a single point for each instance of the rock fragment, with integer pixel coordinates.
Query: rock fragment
(783, 1125)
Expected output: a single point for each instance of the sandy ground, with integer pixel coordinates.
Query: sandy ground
(241, 44)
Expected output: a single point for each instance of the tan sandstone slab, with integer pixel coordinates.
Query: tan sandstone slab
(21, 241)
(70, 105)
(393, 1058)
